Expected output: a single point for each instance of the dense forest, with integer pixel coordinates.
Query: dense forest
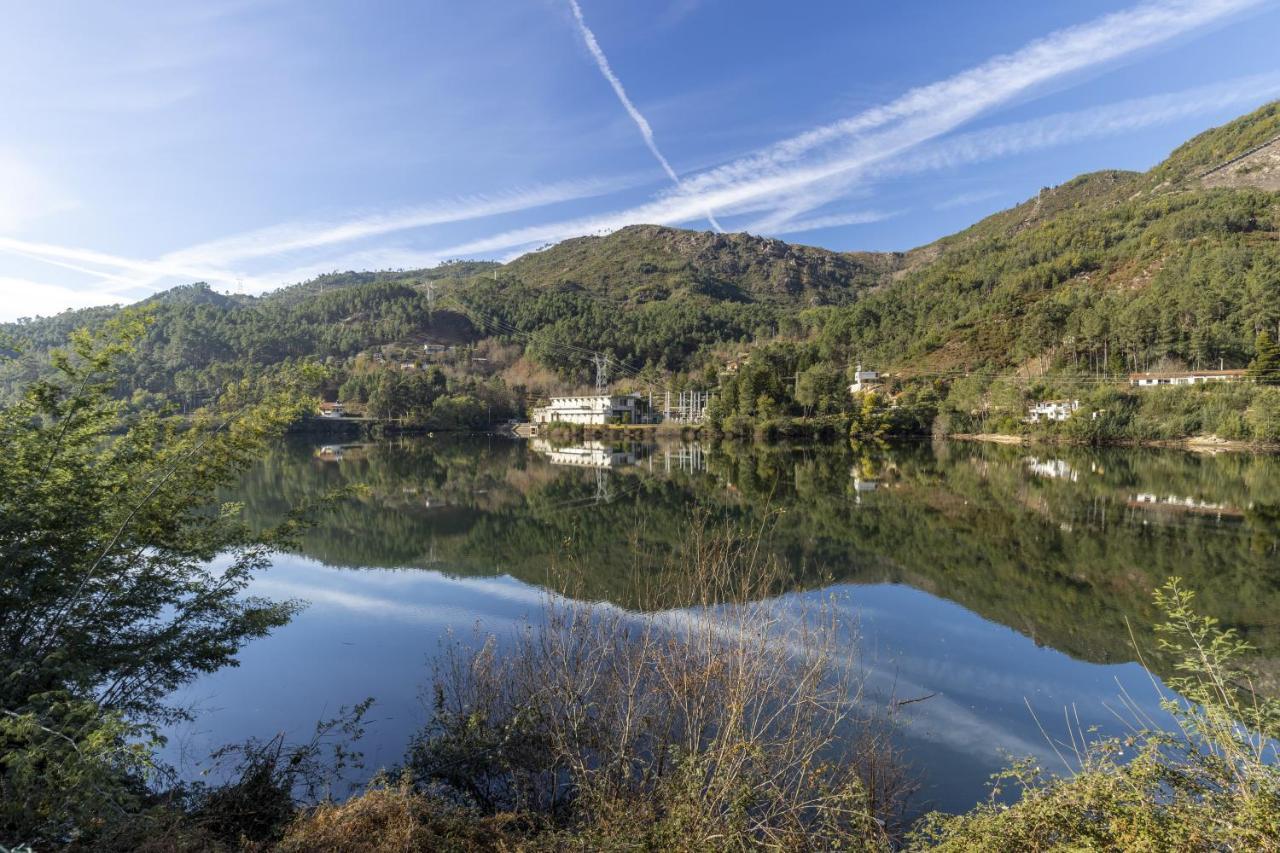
(1062, 295)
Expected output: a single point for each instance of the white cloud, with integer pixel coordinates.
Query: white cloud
(28, 193)
(215, 261)
(291, 237)
(835, 220)
(811, 169)
(786, 180)
(928, 111)
(965, 199)
(1108, 120)
(65, 256)
(646, 131)
(25, 298)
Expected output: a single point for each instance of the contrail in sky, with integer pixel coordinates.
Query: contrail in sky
(589, 38)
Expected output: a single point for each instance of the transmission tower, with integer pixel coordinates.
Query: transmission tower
(431, 296)
(602, 372)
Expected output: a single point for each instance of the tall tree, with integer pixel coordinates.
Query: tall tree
(1265, 366)
(108, 596)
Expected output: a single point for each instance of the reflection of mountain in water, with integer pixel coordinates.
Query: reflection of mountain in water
(1064, 550)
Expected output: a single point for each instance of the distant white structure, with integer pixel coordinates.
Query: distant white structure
(1185, 377)
(861, 487)
(596, 409)
(863, 380)
(1055, 469)
(589, 454)
(332, 410)
(1051, 410)
(1179, 503)
(437, 350)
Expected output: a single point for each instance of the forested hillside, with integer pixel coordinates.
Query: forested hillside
(1108, 273)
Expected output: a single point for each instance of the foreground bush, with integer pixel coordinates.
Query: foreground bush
(108, 521)
(729, 724)
(1212, 785)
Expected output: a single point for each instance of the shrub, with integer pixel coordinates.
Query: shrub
(1212, 785)
(1263, 415)
(726, 725)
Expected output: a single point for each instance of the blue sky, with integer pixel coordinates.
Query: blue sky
(256, 144)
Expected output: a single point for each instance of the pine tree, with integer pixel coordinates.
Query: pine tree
(1265, 366)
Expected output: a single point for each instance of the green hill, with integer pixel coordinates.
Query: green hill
(1110, 272)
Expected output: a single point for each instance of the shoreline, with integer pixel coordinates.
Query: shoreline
(1195, 444)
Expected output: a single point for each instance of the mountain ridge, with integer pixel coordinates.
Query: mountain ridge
(1110, 271)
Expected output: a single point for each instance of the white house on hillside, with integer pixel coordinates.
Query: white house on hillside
(1185, 377)
(1051, 410)
(863, 379)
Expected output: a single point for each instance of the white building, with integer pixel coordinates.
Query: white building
(600, 409)
(863, 380)
(332, 410)
(1186, 377)
(437, 351)
(1051, 410)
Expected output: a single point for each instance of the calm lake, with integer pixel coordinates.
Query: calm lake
(1006, 583)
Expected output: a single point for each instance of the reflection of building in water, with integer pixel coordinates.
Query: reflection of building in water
(1175, 503)
(1056, 469)
(862, 486)
(589, 454)
(339, 452)
(684, 457)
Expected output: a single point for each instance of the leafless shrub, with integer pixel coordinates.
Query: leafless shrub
(720, 719)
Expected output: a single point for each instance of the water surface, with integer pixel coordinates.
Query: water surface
(1004, 582)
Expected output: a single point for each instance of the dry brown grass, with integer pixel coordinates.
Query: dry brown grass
(393, 818)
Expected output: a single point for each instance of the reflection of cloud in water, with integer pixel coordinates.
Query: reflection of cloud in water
(888, 669)
(367, 591)
(939, 720)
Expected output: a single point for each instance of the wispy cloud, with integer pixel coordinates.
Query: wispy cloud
(298, 236)
(779, 185)
(835, 220)
(965, 199)
(814, 168)
(215, 261)
(1093, 123)
(76, 258)
(646, 131)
